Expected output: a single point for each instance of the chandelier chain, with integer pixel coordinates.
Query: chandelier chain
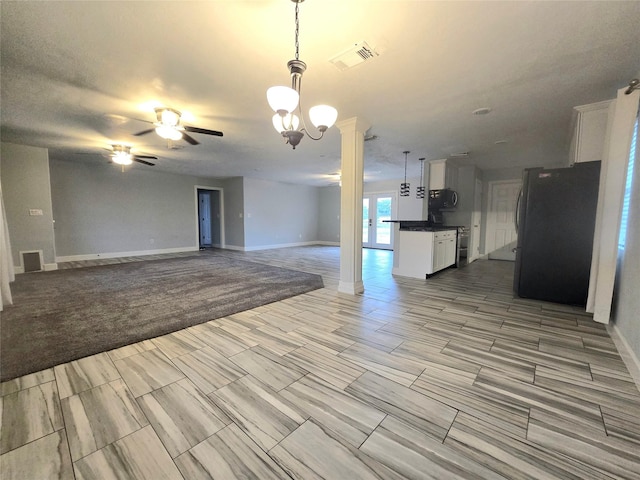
(297, 32)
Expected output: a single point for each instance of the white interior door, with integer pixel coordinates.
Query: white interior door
(204, 216)
(501, 229)
(375, 232)
(476, 219)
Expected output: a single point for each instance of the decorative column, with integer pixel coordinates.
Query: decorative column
(352, 174)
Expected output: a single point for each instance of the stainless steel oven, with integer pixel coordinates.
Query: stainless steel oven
(462, 247)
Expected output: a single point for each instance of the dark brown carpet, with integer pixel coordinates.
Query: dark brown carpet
(64, 315)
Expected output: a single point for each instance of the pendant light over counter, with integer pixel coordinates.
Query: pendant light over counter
(405, 187)
(420, 190)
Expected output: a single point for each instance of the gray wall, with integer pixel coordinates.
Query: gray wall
(25, 185)
(234, 212)
(329, 214)
(279, 213)
(626, 316)
(101, 210)
(407, 208)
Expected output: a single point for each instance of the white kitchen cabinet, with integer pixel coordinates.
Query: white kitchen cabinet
(442, 174)
(587, 143)
(424, 253)
(444, 250)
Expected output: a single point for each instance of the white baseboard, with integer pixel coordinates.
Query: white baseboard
(271, 247)
(329, 244)
(138, 253)
(47, 267)
(628, 355)
(351, 288)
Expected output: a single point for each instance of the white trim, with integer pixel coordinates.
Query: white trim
(46, 267)
(491, 217)
(20, 268)
(280, 245)
(394, 214)
(234, 247)
(593, 106)
(222, 233)
(351, 288)
(626, 352)
(138, 253)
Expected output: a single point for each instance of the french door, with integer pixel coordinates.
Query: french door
(376, 208)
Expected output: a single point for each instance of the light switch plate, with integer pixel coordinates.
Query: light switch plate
(35, 211)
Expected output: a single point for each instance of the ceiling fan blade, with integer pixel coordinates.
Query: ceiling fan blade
(190, 139)
(144, 132)
(137, 159)
(203, 131)
(148, 157)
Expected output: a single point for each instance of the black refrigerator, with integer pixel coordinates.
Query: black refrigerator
(555, 220)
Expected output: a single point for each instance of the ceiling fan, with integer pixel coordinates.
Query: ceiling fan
(168, 126)
(122, 155)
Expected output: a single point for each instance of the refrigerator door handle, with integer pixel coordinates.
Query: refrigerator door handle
(517, 215)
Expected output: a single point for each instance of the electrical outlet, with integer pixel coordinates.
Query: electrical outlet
(35, 212)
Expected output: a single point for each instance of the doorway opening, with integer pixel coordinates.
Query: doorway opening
(501, 227)
(377, 207)
(210, 219)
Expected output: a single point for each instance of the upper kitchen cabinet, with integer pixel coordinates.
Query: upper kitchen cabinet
(442, 174)
(587, 143)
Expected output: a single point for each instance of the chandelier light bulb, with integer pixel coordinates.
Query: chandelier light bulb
(282, 99)
(323, 116)
(281, 123)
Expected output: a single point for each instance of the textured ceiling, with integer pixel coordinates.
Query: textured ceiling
(79, 76)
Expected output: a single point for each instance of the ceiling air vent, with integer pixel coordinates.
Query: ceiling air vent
(359, 53)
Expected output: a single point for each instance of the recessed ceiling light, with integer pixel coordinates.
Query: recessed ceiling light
(501, 142)
(481, 111)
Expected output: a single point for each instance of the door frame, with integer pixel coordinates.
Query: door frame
(473, 242)
(489, 234)
(394, 214)
(220, 213)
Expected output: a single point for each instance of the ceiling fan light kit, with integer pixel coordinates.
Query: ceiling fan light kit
(122, 155)
(286, 100)
(167, 126)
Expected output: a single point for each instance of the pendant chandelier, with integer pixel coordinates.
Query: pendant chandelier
(405, 187)
(420, 190)
(286, 100)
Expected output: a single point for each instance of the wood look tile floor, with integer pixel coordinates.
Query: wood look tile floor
(445, 378)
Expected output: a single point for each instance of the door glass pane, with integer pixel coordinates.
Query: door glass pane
(383, 212)
(365, 220)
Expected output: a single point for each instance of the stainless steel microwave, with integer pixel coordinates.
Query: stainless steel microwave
(444, 198)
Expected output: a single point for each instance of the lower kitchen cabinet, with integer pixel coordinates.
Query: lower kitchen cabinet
(423, 253)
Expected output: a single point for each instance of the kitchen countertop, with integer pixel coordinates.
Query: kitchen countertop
(421, 226)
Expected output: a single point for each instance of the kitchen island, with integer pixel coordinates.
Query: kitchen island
(421, 248)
